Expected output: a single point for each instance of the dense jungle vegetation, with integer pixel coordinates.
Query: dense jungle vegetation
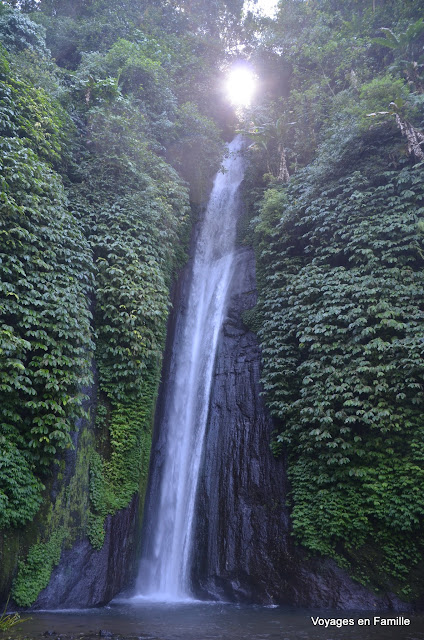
(108, 137)
(340, 259)
(112, 121)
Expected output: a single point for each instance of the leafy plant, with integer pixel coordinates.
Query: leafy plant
(45, 334)
(9, 620)
(393, 41)
(341, 277)
(34, 573)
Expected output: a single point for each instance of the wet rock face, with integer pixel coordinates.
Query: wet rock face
(243, 548)
(241, 514)
(86, 577)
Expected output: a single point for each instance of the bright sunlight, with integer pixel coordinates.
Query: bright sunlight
(240, 86)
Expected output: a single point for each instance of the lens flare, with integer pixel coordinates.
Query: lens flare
(240, 86)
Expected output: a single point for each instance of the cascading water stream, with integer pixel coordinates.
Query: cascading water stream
(165, 565)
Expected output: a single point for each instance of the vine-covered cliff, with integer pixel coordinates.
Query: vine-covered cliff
(112, 122)
(340, 260)
(95, 216)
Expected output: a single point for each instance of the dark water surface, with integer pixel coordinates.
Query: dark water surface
(207, 621)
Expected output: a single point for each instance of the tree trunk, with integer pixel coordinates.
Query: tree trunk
(414, 137)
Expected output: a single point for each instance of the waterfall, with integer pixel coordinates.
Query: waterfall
(166, 557)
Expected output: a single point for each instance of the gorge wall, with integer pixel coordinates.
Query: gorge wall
(244, 547)
(95, 216)
(86, 577)
(107, 147)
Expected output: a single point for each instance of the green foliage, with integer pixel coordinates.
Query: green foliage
(114, 481)
(67, 512)
(377, 94)
(155, 52)
(18, 32)
(404, 39)
(20, 490)
(196, 150)
(94, 222)
(340, 274)
(45, 277)
(34, 573)
(94, 214)
(9, 620)
(252, 319)
(342, 338)
(324, 62)
(29, 117)
(134, 208)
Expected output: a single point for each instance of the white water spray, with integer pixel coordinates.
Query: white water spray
(166, 563)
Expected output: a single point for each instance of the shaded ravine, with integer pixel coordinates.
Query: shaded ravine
(239, 546)
(166, 559)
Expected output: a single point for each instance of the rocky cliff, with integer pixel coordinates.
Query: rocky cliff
(244, 549)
